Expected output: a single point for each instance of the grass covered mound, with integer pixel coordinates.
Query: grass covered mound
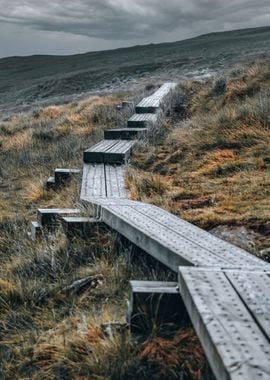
(212, 166)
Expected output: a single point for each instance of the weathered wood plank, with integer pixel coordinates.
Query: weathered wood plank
(254, 289)
(125, 133)
(154, 303)
(233, 255)
(115, 181)
(47, 217)
(119, 153)
(93, 182)
(152, 103)
(35, 232)
(165, 245)
(235, 346)
(82, 226)
(143, 120)
(63, 175)
(95, 154)
(50, 183)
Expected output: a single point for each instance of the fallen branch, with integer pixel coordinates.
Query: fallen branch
(80, 286)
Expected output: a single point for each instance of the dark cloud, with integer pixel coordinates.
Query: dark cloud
(133, 20)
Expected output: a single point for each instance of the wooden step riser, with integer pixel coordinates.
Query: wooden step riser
(125, 134)
(82, 227)
(110, 152)
(154, 304)
(51, 219)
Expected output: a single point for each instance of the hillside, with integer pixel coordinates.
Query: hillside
(57, 79)
(207, 162)
(212, 168)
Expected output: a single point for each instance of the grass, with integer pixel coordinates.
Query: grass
(50, 334)
(212, 167)
(32, 146)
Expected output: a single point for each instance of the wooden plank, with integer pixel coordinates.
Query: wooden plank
(165, 245)
(36, 231)
(63, 175)
(115, 181)
(95, 154)
(82, 226)
(165, 89)
(253, 287)
(235, 346)
(93, 182)
(233, 255)
(154, 287)
(142, 120)
(125, 133)
(148, 105)
(50, 183)
(47, 217)
(119, 153)
(154, 303)
(152, 103)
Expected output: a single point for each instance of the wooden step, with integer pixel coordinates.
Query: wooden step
(36, 231)
(95, 154)
(64, 175)
(154, 102)
(50, 183)
(145, 120)
(119, 153)
(125, 133)
(149, 105)
(154, 303)
(109, 151)
(230, 312)
(80, 226)
(48, 217)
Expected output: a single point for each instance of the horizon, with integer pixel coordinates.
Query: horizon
(135, 45)
(33, 28)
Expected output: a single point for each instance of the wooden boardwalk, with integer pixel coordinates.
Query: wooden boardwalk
(225, 289)
(153, 103)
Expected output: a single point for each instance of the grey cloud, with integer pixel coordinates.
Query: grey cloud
(127, 19)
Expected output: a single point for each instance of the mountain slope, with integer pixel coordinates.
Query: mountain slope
(28, 80)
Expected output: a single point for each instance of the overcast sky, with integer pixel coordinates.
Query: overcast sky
(73, 26)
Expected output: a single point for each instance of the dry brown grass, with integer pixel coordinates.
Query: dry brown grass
(32, 146)
(215, 164)
(169, 355)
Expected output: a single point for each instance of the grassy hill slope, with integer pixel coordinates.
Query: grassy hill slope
(28, 80)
